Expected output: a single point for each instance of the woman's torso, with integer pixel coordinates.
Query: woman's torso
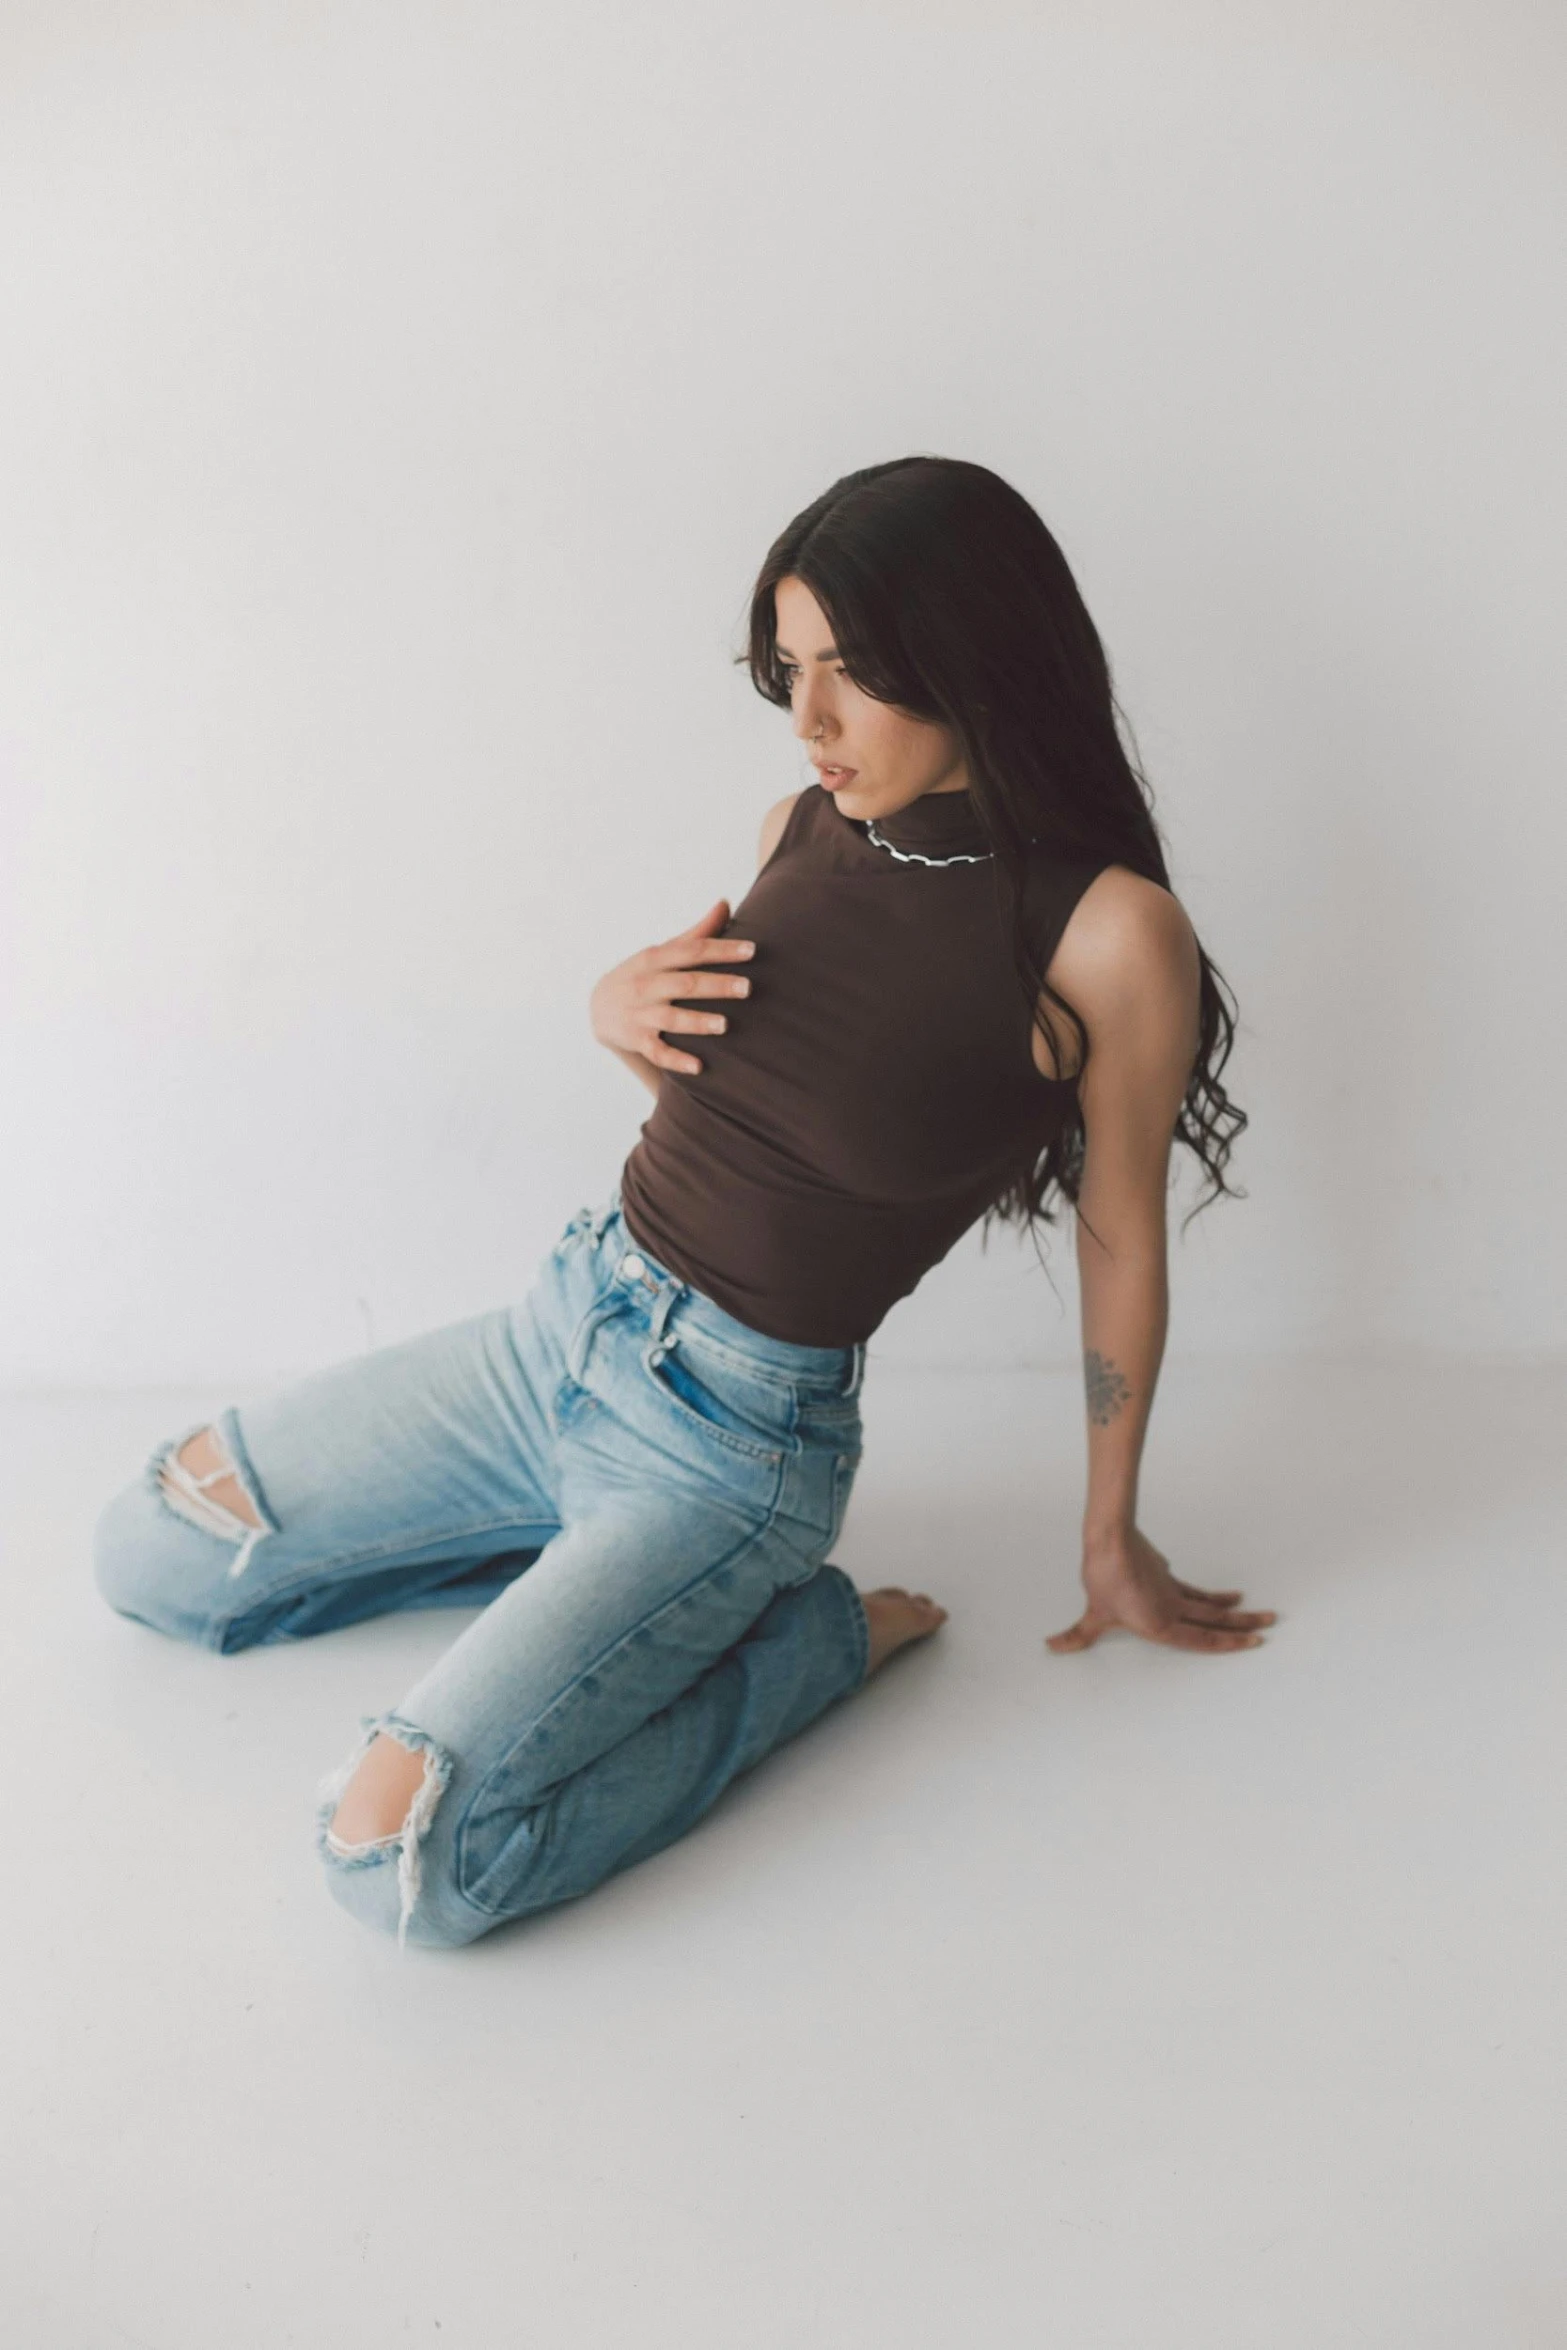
(875, 1091)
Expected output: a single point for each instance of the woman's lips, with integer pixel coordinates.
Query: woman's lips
(834, 778)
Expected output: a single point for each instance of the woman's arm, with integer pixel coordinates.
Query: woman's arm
(1141, 973)
(1129, 964)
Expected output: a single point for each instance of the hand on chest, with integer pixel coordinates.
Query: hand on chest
(885, 1037)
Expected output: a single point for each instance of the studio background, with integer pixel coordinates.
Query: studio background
(396, 401)
(395, 406)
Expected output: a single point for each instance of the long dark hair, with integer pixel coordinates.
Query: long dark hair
(950, 599)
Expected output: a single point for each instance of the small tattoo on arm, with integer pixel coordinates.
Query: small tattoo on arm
(1107, 1390)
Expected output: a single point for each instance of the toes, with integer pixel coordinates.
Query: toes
(918, 1603)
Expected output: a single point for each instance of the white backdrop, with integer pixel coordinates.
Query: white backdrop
(395, 405)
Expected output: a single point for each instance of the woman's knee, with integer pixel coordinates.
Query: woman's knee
(387, 1839)
(370, 1887)
(160, 1556)
(134, 1564)
(124, 1543)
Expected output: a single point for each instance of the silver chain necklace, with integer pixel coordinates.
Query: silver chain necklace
(913, 856)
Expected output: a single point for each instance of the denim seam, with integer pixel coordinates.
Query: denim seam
(402, 1542)
(677, 1600)
(858, 1621)
(845, 1469)
(337, 1563)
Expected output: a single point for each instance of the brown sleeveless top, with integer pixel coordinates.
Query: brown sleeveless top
(875, 1091)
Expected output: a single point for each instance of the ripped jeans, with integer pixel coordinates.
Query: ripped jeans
(639, 1492)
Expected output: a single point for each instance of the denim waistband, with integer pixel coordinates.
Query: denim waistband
(834, 1370)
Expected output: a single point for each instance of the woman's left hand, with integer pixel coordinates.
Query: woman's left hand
(1129, 1584)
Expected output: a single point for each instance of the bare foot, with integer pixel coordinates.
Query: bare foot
(895, 1617)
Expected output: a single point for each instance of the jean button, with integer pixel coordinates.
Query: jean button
(633, 1267)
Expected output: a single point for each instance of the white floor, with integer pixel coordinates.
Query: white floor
(1125, 2001)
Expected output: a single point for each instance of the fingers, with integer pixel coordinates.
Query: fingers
(717, 914)
(664, 1056)
(1204, 1633)
(663, 981)
(1185, 1634)
(1219, 1607)
(665, 986)
(1204, 1611)
(701, 932)
(668, 980)
(1195, 1591)
(1204, 1638)
(1082, 1634)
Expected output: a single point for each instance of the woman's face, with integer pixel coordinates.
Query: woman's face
(872, 758)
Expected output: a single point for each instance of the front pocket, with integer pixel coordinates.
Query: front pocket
(742, 1413)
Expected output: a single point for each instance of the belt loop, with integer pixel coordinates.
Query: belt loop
(857, 1368)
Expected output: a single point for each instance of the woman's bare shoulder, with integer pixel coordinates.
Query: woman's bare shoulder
(1127, 942)
(774, 821)
(1122, 922)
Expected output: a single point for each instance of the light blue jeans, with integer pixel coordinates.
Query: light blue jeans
(638, 1490)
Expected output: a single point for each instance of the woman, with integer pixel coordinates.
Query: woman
(959, 982)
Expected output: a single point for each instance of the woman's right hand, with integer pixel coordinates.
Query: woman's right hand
(632, 1003)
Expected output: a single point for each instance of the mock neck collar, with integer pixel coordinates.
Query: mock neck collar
(937, 824)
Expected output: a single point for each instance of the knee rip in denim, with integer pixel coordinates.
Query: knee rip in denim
(202, 1482)
(406, 1837)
